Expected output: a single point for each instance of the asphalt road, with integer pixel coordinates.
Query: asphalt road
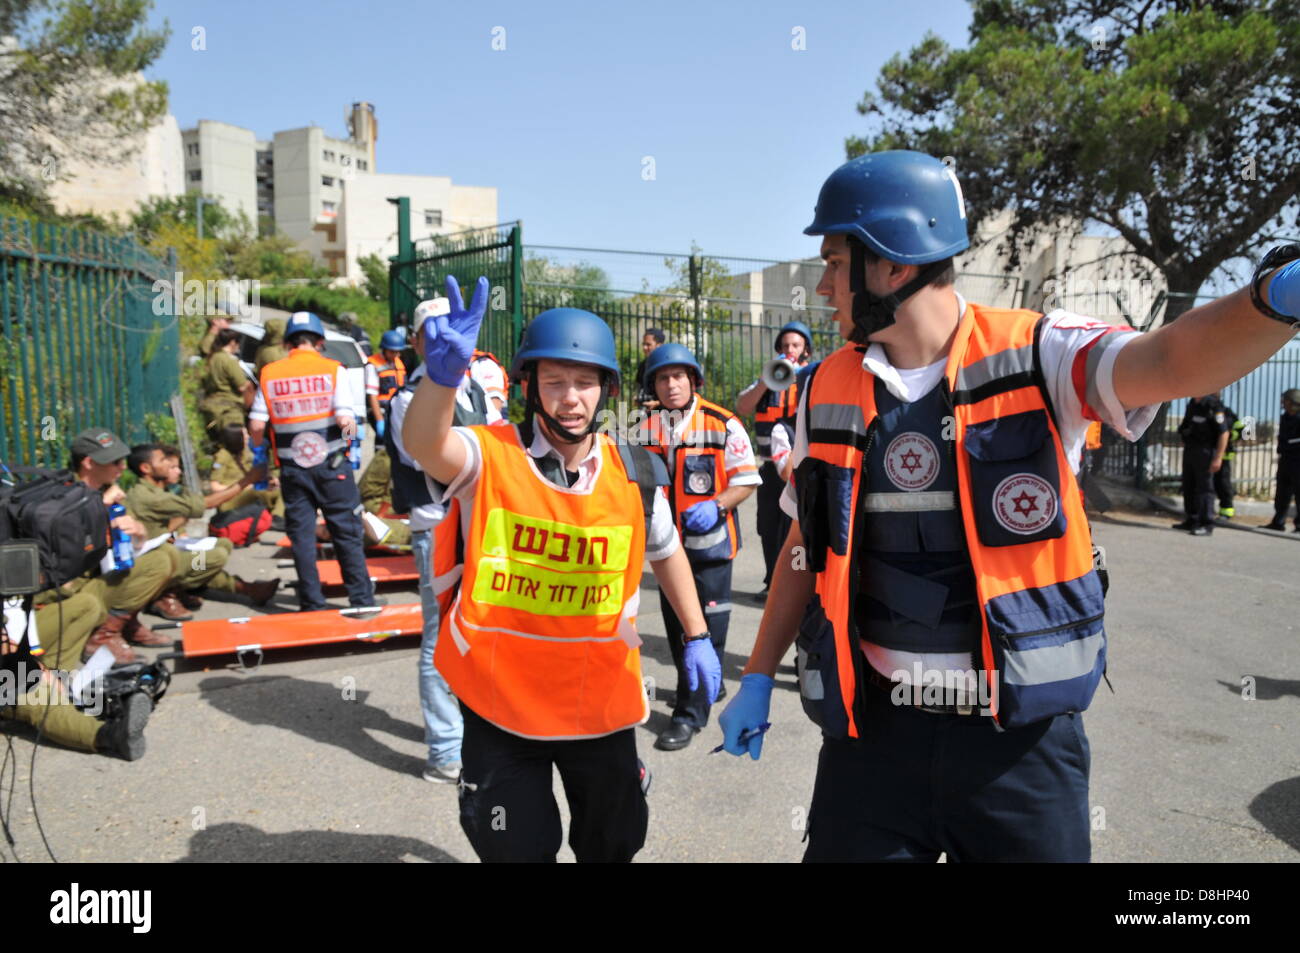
(317, 756)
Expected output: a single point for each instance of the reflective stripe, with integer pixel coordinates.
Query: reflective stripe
(305, 425)
(837, 417)
(717, 607)
(704, 438)
(1053, 663)
(1016, 360)
(911, 502)
(707, 540)
(448, 579)
(1093, 361)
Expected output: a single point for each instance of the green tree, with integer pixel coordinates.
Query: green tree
(1169, 122)
(581, 285)
(375, 270)
(70, 87)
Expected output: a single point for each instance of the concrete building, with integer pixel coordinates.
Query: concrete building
(220, 161)
(154, 169)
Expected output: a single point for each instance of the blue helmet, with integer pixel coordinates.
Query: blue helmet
(301, 321)
(392, 341)
(569, 334)
(798, 327)
(906, 207)
(667, 355)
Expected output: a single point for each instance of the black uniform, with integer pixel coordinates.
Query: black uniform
(1202, 425)
(1288, 469)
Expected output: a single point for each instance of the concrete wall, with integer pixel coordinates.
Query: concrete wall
(157, 168)
(225, 163)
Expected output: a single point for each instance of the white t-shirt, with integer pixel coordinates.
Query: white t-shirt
(662, 542)
(490, 376)
(1079, 371)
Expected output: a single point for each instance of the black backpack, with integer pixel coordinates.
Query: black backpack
(66, 518)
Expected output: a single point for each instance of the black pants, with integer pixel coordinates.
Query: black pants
(713, 583)
(334, 493)
(773, 524)
(1223, 487)
(917, 784)
(507, 809)
(1288, 486)
(1198, 487)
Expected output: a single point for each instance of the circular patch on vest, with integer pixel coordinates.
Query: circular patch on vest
(308, 449)
(699, 482)
(1024, 504)
(911, 461)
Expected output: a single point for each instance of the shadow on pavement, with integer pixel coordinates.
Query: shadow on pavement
(1266, 689)
(224, 843)
(316, 711)
(1277, 807)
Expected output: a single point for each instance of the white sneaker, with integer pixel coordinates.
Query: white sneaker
(445, 773)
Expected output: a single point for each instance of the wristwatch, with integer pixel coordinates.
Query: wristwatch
(695, 638)
(1279, 256)
(722, 511)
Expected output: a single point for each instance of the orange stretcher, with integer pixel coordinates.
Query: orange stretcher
(381, 568)
(285, 545)
(247, 636)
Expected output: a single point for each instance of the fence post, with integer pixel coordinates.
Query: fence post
(517, 282)
(697, 294)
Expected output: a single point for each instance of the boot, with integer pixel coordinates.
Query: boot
(137, 633)
(170, 608)
(190, 598)
(123, 735)
(260, 592)
(109, 635)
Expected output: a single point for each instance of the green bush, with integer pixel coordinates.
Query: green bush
(330, 303)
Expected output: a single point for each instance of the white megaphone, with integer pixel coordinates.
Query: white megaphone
(778, 374)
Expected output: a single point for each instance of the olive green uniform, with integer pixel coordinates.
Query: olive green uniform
(228, 471)
(155, 508)
(223, 400)
(376, 490)
(123, 592)
(272, 347)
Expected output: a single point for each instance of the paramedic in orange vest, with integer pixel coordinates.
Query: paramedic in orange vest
(939, 574)
(712, 469)
(540, 645)
(385, 375)
(306, 400)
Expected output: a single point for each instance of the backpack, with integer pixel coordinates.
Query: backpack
(242, 525)
(66, 518)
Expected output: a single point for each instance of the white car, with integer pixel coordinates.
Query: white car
(338, 346)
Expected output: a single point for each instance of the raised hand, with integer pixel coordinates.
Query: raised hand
(449, 339)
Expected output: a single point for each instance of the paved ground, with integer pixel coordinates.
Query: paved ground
(278, 766)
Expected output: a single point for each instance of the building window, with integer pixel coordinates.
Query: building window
(433, 217)
(196, 175)
(329, 156)
(327, 207)
(327, 180)
(192, 148)
(363, 165)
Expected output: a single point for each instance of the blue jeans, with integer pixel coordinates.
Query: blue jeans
(443, 725)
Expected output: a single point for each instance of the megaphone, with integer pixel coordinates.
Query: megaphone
(778, 374)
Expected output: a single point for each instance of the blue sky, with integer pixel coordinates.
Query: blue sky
(742, 128)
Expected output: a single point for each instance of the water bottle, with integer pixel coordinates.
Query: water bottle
(260, 459)
(354, 454)
(122, 546)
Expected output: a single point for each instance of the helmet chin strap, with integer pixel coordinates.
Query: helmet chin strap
(871, 312)
(556, 429)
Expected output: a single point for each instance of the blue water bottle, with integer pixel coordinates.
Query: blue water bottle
(122, 546)
(354, 454)
(260, 459)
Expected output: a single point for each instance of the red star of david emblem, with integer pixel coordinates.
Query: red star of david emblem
(1025, 504)
(911, 461)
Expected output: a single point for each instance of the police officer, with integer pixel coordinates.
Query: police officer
(1288, 461)
(712, 471)
(770, 408)
(1205, 433)
(540, 645)
(950, 588)
(305, 399)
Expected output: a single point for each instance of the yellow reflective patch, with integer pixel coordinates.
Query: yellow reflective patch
(541, 591)
(561, 547)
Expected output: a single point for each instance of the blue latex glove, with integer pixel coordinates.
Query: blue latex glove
(1284, 289)
(746, 712)
(701, 517)
(380, 426)
(702, 663)
(449, 339)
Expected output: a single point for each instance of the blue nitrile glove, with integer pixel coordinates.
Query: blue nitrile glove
(1284, 289)
(701, 661)
(380, 426)
(449, 339)
(701, 517)
(746, 712)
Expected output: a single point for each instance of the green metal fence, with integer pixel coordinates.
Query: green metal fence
(87, 342)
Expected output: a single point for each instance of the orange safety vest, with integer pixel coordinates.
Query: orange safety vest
(1092, 440)
(391, 376)
(773, 407)
(1042, 646)
(299, 395)
(699, 472)
(541, 639)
